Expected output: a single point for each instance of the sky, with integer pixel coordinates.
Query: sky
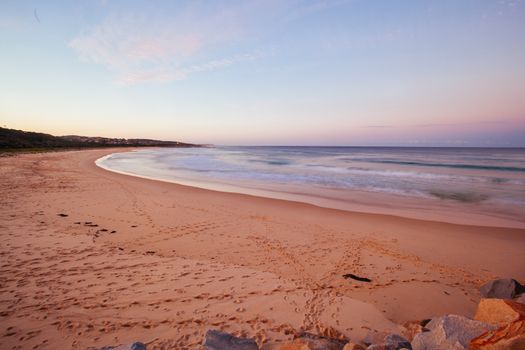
(267, 72)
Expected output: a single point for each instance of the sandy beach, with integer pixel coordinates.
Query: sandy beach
(91, 258)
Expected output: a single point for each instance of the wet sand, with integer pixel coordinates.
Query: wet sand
(92, 258)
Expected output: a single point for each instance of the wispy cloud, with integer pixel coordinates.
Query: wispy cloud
(142, 47)
(122, 43)
(170, 44)
(167, 75)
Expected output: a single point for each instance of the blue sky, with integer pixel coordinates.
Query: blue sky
(360, 72)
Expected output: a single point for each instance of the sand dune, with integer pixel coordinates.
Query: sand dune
(92, 258)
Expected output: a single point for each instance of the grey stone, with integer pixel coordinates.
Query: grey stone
(505, 288)
(392, 342)
(449, 332)
(374, 337)
(131, 346)
(216, 340)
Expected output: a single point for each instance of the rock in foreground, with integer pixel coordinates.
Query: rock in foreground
(506, 288)
(132, 346)
(216, 340)
(307, 341)
(449, 332)
(499, 312)
(392, 342)
(508, 337)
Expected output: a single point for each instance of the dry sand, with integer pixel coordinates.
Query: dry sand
(182, 260)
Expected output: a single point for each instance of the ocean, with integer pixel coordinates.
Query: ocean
(463, 185)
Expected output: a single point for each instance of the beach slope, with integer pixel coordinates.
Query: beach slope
(92, 258)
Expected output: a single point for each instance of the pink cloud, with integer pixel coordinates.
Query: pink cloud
(167, 75)
(124, 43)
(167, 45)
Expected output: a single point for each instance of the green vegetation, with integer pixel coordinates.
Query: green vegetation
(12, 140)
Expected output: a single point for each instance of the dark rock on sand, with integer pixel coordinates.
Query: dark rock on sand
(215, 340)
(449, 332)
(357, 278)
(505, 288)
(392, 342)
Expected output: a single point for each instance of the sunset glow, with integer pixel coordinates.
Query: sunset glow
(428, 73)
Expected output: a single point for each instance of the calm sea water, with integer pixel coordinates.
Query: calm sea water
(490, 181)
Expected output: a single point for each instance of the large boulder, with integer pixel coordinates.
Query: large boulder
(508, 337)
(216, 340)
(505, 288)
(392, 342)
(307, 341)
(451, 332)
(499, 312)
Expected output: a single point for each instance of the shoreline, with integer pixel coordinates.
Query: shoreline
(94, 258)
(408, 208)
